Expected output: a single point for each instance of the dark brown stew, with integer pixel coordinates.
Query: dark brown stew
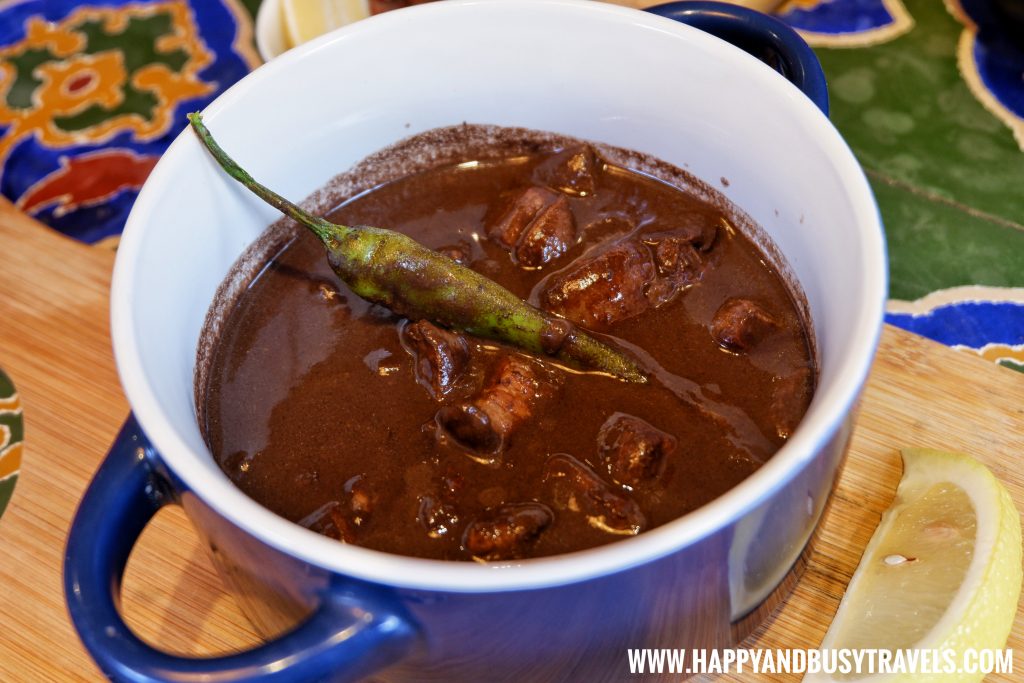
(407, 438)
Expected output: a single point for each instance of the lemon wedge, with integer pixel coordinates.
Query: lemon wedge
(942, 573)
(307, 19)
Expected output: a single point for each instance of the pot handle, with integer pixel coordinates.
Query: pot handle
(350, 635)
(765, 37)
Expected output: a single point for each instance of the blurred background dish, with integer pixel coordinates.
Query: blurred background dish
(306, 19)
(283, 24)
(271, 38)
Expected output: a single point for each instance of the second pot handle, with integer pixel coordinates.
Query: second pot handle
(353, 632)
(763, 36)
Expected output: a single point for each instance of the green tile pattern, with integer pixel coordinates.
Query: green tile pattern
(936, 244)
(949, 175)
(905, 109)
(12, 434)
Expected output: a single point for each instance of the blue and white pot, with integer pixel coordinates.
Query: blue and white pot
(619, 76)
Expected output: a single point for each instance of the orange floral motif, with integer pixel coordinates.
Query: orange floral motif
(74, 82)
(802, 4)
(1003, 352)
(11, 443)
(10, 460)
(61, 43)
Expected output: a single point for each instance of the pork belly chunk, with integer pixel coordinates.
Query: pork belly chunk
(507, 532)
(577, 488)
(439, 356)
(634, 451)
(601, 289)
(536, 227)
(548, 236)
(573, 171)
(629, 275)
(344, 519)
(740, 325)
(484, 423)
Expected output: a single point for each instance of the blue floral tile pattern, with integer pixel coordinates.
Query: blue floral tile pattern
(92, 94)
(988, 320)
(991, 56)
(847, 23)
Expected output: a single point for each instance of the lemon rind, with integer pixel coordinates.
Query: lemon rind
(997, 551)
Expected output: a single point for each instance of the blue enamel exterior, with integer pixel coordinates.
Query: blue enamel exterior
(355, 629)
(325, 626)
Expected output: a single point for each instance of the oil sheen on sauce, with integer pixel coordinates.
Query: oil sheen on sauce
(401, 437)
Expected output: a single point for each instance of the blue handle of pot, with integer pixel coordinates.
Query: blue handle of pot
(348, 637)
(763, 36)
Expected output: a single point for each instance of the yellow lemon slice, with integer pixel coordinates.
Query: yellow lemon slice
(307, 19)
(942, 574)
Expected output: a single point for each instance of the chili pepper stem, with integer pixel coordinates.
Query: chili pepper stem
(323, 229)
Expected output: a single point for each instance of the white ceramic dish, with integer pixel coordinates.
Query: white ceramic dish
(788, 169)
(270, 30)
(590, 70)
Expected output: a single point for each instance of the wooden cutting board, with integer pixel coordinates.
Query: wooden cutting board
(55, 345)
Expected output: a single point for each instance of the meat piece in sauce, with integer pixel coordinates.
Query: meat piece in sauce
(603, 288)
(740, 324)
(461, 253)
(790, 397)
(634, 450)
(573, 171)
(576, 487)
(484, 423)
(438, 511)
(548, 236)
(439, 356)
(699, 229)
(342, 520)
(681, 256)
(430, 517)
(537, 227)
(676, 257)
(506, 533)
(438, 517)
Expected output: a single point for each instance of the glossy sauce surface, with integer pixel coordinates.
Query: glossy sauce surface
(405, 438)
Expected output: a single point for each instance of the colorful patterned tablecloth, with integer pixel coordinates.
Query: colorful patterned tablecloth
(929, 95)
(12, 434)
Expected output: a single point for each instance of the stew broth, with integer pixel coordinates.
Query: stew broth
(399, 436)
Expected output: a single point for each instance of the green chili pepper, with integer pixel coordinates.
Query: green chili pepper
(395, 271)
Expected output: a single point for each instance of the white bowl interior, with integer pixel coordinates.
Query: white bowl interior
(589, 70)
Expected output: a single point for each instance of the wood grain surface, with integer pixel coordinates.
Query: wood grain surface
(55, 345)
